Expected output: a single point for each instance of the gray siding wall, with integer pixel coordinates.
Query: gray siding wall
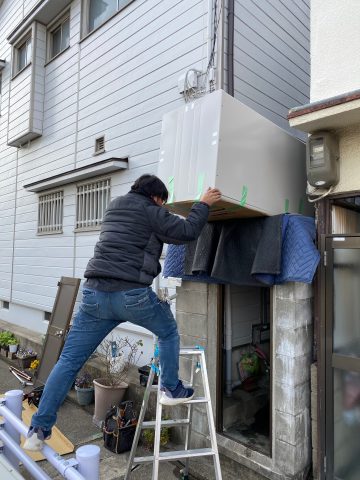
(272, 57)
(117, 82)
(10, 13)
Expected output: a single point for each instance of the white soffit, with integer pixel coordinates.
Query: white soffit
(43, 12)
(82, 173)
(328, 114)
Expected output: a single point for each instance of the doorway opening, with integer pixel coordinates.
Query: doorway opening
(246, 367)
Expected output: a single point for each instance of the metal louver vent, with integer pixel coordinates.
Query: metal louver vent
(100, 145)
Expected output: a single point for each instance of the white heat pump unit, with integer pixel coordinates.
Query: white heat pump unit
(219, 142)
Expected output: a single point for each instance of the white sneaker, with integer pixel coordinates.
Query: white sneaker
(33, 443)
(35, 439)
(165, 400)
(177, 396)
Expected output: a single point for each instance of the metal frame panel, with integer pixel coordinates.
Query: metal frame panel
(332, 360)
(58, 326)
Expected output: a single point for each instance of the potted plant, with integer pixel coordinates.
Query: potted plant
(6, 339)
(84, 388)
(117, 355)
(25, 356)
(13, 344)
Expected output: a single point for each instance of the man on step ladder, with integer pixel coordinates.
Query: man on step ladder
(118, 289)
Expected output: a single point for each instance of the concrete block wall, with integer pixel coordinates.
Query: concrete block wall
(196, 315)
(292, 356)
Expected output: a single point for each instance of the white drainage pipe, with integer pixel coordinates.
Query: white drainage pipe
(13, 399)
(88, 457)
(21, 456)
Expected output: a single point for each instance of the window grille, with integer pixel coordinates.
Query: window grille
(92, 200)
(50, 216)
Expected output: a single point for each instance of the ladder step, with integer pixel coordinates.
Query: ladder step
(190, 351)
(197, 400)
(177, 454)
(169, 423)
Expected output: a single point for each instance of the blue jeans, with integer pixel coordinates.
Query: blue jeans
(98, 314)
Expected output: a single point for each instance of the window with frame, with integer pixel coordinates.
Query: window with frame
(50, 213)
(59, 36)
(92, 200)
(23, 55)
(98, 11)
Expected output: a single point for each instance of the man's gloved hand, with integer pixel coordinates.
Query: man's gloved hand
(211, 196)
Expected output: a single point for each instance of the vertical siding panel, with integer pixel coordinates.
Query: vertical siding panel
(271, 57)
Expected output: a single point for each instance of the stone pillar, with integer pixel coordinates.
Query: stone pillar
(292, 356)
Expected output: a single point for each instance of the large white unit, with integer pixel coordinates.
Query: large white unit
(217, 141)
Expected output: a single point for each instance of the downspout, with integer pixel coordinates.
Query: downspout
(230, 90)
(228, 342)
(230, 49)
(220, 48)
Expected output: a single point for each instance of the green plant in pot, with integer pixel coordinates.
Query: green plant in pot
(116, 355)
(6, 339)
(84, 388)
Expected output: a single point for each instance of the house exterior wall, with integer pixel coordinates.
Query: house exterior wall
(335, 34)
(272, 57)
(122, 94)
(335, 68)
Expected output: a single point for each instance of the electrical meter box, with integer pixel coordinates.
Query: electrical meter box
(219, 142)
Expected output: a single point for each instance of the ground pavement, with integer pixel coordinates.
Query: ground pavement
(76, 424)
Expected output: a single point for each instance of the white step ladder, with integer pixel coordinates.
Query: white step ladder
(198, 362)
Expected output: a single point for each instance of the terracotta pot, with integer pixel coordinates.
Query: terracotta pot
(106, 396)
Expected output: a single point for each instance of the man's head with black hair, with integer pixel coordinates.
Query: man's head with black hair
(151, 186)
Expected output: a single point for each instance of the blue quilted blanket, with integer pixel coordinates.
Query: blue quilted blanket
(299, 256)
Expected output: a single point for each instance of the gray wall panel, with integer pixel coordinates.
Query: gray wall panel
(272, 57)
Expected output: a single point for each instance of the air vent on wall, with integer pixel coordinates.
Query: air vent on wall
(5, 305)
(99, 145)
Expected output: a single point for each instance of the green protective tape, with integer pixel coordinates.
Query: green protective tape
(286, 207)
(200, 186)
(301, 206)
(171, 189)
(243, 196)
